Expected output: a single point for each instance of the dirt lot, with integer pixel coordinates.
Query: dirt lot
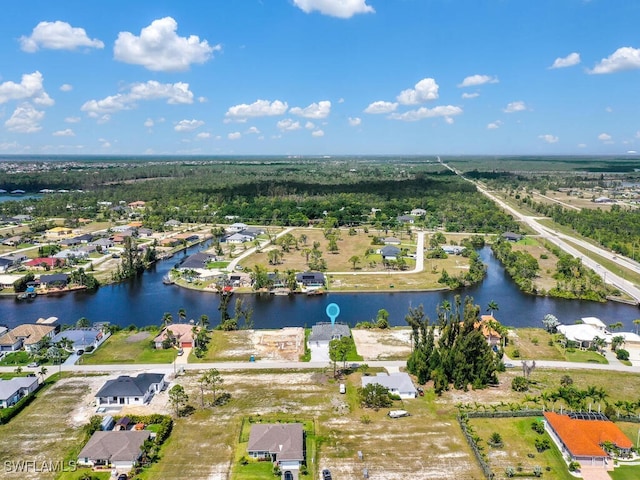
(284, 344)
(377, 344)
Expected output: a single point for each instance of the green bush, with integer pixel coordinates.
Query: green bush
(622, 354)
(519, 384)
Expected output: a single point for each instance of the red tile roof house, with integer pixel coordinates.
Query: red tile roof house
(183, 332)
(282, 443)
(45, 263)
(582, 440)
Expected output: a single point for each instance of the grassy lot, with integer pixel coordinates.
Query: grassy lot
(15, 358)
(129, 347)
(206, 443)
(519, 448)
(45, 430)
(226, 346)
(533, 343)
(626, 472)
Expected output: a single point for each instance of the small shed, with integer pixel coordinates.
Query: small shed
(107, 423)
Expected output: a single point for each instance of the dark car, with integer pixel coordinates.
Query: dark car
(288, 475)
(122, 476)
(326, 474)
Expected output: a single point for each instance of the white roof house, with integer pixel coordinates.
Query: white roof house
(594, 322)
(398, 383)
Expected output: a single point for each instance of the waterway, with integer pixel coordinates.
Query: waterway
(144, 300)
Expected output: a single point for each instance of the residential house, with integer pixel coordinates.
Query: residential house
(405, 219)
(12, 390)
(282, 443)
(22, 218)
(236, 227)
(5, 264)
(45, 263)
(104, 243)
(26, 335)
(452, 249)
(58, 232)
(390, 252)
(182, 332)
(582, 334)
(310, 279)
(16, 258)
(398, 383)
(323, 332)
(119, 450)
(418, 212)
(71, 254)
(238, 238)
(145, 232)
(80, 338)
(172, 223)
(12, 241)
(197, 261)
(7, 281)
(581, 436)
(126, 390)
(391, 241)
(138, 204)
(512, 237)
(69, 242)
(55, 280)
(187, 237)
(487, 325)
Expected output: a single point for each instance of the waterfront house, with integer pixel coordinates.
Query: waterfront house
(487, 325)
(512, 237)
(126, 390)
(182, 333)
(282, 443)
(310, 279)
(237, 238)
(26, 335)
(398, 383)
(12, 390)
(120, 450)
(55, 280)
(80, 338)
(324, 332)
(236, 227)
(452, 249)
(581, 436)
(198, 261)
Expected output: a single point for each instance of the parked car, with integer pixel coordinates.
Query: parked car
(180, 351)
(398, 413)
(420, 391)
(509, 365)
(33, 365)
(122, 476)
(343, 388)
(326, 474)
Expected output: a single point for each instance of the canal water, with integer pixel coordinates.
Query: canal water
(144, 300)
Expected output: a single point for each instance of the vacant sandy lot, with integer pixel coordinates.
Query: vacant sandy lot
(284, 344)
(377, 344)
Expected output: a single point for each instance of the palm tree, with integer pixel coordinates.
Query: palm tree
(182, 315)
(42, 372)
(167, 319)
(204, 321)
(615, 326)
(491, 307)
(636, 322)
(82, 322)
(354, 260)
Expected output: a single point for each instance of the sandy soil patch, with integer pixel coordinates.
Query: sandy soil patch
(383, 344)
(137, 337)
(284, 344)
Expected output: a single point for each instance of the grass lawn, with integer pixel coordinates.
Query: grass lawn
(16, 358)
(519, 447)
(585, 356)
(129, 347)
(533, 343)
(626, 472)
(226, 346)
(44, 431)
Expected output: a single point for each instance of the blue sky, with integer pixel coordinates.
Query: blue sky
(320, 77)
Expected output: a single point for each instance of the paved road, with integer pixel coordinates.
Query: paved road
(561, 240)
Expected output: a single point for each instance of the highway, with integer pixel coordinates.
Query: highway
(560, 240)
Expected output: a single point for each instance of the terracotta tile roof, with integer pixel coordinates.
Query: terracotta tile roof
(584, 437)
(484, 326)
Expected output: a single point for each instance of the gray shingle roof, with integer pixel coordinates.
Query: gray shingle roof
(126, 386)
(399, 381)
(286, 440)
(9, 387)
(120, 446)
(324, 331)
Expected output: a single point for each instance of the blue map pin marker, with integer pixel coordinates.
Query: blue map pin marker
(333, 310)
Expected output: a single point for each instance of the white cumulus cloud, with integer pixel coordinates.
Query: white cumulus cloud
(149, 123)
(288, 124)
(604, 137)
(494, 125)
(309, 125)
(317, 133)
(174, 93)
(549, 138)
(475, 80)
(381, 107)
(57, 36)
(203, 135)
(315, 110)
(188, 125)
(568, 61)
(515, 107)
(354, 121)
(72, 119)
(426, 89)
(253, 130)
(25, 119)
(65, 87)
(29, 88)
(335, 8)
(159, 48)
(625, 58)
(67, 132)
(259, 108)
(466, 95)
(234, 136)
(446, 111)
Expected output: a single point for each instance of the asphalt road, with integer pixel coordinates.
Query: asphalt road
(561, 240)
